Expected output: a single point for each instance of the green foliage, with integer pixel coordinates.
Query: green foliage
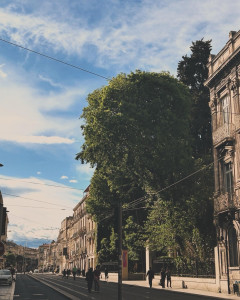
(193, 71)
(137, 136)
(136, 130)
(10, 259)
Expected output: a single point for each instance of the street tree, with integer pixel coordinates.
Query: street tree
(192, 70)
(137, 130)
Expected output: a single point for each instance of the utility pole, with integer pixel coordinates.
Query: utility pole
(120, 250)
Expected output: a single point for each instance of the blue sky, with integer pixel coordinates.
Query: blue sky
(42, 100)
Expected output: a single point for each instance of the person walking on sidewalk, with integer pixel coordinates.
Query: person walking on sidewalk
(106, 273)
(64, 272)
(97, 274)
(169, 280)
(163, 277)
(74, 272)
(150, 275)
(89, 279)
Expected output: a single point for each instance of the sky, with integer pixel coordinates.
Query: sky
(41, 100)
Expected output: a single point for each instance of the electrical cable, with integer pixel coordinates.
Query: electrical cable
(31, 182)
(35, 200)
(55, 59)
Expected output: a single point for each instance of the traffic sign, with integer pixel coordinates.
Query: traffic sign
(2, 249)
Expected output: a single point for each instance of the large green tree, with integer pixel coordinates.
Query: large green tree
(137, 129)
(192, 70)
(136, 133)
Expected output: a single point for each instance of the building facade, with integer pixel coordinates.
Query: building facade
(75, 245)
(223, 83)
(3, 231)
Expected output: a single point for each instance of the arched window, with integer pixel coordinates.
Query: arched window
(233, 248)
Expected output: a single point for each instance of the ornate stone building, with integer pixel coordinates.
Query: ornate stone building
(75, 245)
(223, 83)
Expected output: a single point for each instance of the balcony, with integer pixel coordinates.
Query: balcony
(223, 202)
(224, 132)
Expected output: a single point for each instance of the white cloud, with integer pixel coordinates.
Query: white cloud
(73, 181)
(85, 171)
(50, 81)
(64, 177)
(40, 212)
(25, 115)
(39, 173)
(2, 73)
(150, 34)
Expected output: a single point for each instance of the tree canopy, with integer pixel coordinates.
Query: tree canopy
(192, 70)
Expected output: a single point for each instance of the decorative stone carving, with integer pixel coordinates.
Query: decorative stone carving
(234, 86)
(221, 203)
(223, 132)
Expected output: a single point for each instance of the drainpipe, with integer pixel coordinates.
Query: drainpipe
(227, 259)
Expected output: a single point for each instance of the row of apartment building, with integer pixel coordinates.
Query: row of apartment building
(75, 245)
(3, 231)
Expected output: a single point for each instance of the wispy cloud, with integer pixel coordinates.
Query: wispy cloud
(27, 222)
(50, 81)
(150, 34)
(64, 177)
(85, 171)
(73, 181)
(2, 73)
(26, 113)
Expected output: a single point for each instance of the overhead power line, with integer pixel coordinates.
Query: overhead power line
(55, 59)
(141, 199)
(16, 196)
(54, 185)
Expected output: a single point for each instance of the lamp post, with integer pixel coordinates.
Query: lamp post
(120, 250)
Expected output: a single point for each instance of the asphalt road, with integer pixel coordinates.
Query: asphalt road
(28, 288)
(39, 286)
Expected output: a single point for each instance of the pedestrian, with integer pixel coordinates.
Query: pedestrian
(68, 272)
(106, 273)
(97, 274)
(74, 272)
(83, 273)
(89, 279)
(64, 272)
(12, 272)
(169, 280)
(78, 272)
(150, 275)
(163, 277)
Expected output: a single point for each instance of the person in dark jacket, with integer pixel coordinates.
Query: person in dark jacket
(150, 275)
(163, 277)
(64, 272)
(106, 273)
(169, 281)
(89, 279)
(97, 274)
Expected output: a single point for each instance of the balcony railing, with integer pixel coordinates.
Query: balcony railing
(226, 131)
(223, 202)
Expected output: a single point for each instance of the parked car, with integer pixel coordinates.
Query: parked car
(6, 277)
(36, 271)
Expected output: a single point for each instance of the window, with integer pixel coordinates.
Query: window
(225, 109)
(228, 178)
(232, 239)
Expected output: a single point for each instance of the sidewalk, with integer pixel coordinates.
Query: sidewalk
(144, 283)
(7, 292)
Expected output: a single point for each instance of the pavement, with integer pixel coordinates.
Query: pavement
(7, 292)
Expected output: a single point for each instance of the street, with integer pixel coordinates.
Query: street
(42, 286)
